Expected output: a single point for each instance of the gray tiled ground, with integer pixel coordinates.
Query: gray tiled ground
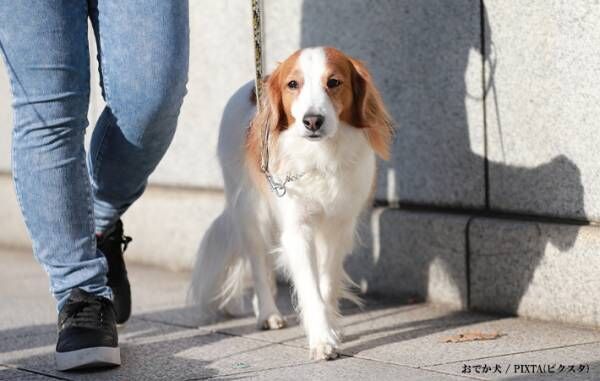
(153, 351)
(344, 369)
(386, 341)
(559, 361)
(13, 374)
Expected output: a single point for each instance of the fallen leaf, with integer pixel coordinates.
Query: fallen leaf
(472, 336)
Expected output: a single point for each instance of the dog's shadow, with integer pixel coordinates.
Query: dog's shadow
(421, 55)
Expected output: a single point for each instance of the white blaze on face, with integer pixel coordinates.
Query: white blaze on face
(313, 98)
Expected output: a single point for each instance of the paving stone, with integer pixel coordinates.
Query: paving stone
(153, 351)
(538, 270)
(542, 114)
(345, 369)
(529, 366)
(293, 334)
(16, 343)
(418, 255)
(420, 342)
(414, 335)
(7, 373)
(22, 342)
(358, 326)
(12, 374)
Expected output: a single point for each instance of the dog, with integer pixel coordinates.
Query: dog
(327, 123)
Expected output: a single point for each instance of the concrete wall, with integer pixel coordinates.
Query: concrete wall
(542, 110)
(494, 162)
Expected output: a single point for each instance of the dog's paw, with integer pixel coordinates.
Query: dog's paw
(324, 351)
(274, 321)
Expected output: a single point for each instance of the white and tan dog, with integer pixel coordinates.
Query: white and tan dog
(327, 123)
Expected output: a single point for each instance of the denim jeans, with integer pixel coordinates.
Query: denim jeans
(66, 196)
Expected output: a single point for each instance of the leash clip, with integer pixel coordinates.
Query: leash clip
(279, 188)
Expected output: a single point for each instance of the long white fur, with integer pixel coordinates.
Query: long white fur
(311, 228)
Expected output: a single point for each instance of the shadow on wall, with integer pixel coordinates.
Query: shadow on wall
(419, 54)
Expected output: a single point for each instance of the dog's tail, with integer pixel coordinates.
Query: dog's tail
(218, 275)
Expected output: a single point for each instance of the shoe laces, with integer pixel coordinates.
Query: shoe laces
(86, 313)
(119, 237)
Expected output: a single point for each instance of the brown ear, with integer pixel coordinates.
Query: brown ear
(369, 111)
(270, 113)
(269, 116)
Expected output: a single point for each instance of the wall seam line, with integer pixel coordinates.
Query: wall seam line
(486, 173)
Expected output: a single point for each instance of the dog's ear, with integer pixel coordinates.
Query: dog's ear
(369, 111)
(270, 114)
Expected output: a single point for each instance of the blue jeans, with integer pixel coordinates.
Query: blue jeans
(65, 198)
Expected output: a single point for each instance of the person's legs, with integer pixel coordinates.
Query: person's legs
(143, 54)
(45, 47)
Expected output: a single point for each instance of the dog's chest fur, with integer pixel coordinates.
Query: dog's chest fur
(335, 177)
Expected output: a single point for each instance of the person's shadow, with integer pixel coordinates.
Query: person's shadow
(426, 59)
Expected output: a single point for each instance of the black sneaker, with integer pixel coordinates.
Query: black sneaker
(112, 246)
(87, 333)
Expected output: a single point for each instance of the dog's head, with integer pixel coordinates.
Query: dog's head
(317, 91)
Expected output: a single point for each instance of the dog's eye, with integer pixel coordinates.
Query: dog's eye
(292, 85)
(332, 83)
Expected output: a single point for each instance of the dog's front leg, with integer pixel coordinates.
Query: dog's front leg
(266, 310)
(299, 254)
(334, 241)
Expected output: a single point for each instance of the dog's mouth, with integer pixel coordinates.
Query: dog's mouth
(314, 136)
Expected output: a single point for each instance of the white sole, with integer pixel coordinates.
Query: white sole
(88, 358)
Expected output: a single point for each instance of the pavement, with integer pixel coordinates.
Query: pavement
(386, 340)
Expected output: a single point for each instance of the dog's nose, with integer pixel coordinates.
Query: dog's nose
(313, 122)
